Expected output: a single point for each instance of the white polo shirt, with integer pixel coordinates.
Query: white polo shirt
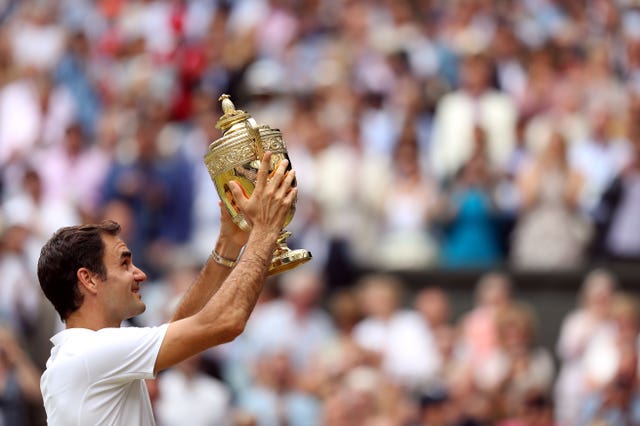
(97, 377)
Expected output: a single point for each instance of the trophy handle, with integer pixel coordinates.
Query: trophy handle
(254, 132)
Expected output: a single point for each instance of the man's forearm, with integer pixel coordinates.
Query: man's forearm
(209, 280)
(239, 293)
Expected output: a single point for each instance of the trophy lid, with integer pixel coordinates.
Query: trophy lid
(231, 115)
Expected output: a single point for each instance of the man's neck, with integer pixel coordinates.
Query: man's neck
(81, 319)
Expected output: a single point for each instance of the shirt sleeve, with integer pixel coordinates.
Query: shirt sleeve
(125, 354)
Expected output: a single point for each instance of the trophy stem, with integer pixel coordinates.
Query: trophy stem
(284, 258)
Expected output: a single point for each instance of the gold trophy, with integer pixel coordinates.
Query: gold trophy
(236, 156)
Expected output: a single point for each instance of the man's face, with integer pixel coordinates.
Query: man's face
(120, 291)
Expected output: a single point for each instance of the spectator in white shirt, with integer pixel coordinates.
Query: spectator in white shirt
(187, 396)
(458, 113)
(599, 158)
(403, 342)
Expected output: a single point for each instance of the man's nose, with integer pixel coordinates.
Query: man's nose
(139, 275)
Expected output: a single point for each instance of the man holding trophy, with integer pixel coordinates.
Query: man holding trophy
(96, 371)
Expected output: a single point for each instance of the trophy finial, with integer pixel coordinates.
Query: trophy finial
(231, 115)
(227, 106)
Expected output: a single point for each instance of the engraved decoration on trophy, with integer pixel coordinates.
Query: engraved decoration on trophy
(236, 156)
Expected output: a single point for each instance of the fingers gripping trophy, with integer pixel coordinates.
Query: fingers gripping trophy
(236, 156)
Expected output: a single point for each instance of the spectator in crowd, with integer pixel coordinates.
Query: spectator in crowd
(72, 160)
(37, 39)
(434, 306)
(366, 397)
(518, 367)
(26, 219)
(37, 214)
(342, 353)
(576, 332)
(534, 101)
(158, 187)
(611, 368)
(273, 398)
(474, 105)
(617, 213)
(471, 237)
(75, 72)
(292, 307)
(399, 338)
(564, 114)
(303, 326)
(187, 396)
(478, 334)
(19, 297)
(19, 382)
(599, 158)
(432, 303)
(507, 49)
(409, 203)
(550, 233)
(33, 113)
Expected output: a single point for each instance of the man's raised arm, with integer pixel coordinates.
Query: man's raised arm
(213, 274)
(224, 316)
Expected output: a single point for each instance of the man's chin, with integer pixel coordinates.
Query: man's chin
(140, 308)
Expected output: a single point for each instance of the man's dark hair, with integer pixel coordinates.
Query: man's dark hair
(68, 250)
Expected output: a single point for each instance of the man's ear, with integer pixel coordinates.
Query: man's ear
(87, 281)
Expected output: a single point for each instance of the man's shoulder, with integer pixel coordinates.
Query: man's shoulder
(72, 338)
(78, 340)
(128, 336)
(106, 353)
(128, 331)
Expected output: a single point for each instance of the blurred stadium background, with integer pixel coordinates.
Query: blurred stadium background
(469, 188)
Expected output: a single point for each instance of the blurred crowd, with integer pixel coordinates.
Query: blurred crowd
(370, 357)
(424, 133)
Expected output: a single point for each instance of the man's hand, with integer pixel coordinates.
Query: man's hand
(229, 231)
(267, 208)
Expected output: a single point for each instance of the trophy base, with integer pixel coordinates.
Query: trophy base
(284, 258)
(291, 259)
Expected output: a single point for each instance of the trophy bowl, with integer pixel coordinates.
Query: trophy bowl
(236, 156)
